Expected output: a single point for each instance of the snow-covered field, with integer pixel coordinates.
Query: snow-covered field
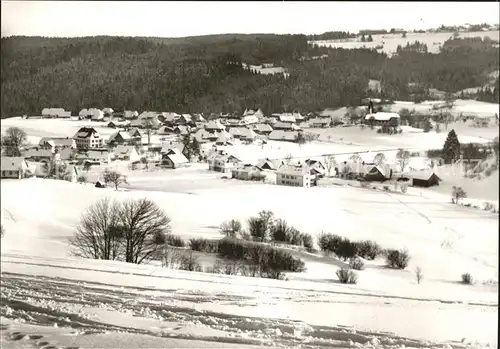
(42, 283)
(390, 42)
(98, 304)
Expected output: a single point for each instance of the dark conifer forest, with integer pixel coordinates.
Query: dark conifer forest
(205, 74)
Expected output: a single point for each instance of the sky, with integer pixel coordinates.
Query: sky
(177, 19)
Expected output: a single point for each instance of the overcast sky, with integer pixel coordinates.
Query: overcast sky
(176, 19)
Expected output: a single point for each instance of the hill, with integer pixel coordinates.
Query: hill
(205, 74)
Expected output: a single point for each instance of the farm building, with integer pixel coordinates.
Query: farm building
(174, 160)
(378, 173)
(129, 114)
(120, 137)
(425, 179)
(268, 164)
(247, 172)
(281, 135)
(214, 126)
(99, 155)
(382, 118)
(126, 153)
(57, 142)
(319, 122)
(223, 138)
(262, 129)
(316, 165)
(39, 154)
(55, 113)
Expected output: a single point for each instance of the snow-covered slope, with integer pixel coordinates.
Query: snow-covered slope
(40, 276)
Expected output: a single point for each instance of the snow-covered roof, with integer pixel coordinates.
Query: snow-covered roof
(178, 158)
(283, 135)
(382, 116)
(85, 132)
(11, 163)
(123, 150)
(286, 117)
(295, 170)
(214, 125)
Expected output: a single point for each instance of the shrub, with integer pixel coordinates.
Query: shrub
(281, 231)
(356, 263)
(398, 258)
(190, 263)
(488, 206)
(329, 242)
(346, 249)
(204, 245)
(295, 237)
(175, 240)
(467, 279)
(270, 261)
(308, 241)
(368, 249)
(231, 228)
(347, 276)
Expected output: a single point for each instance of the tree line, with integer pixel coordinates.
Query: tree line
(206, 74)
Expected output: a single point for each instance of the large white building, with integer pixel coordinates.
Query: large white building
(88, 137)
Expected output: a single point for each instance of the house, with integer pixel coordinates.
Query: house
(317, 165)
(96, 114)
(280, 135)
(378, 173)
(118, 138)
(285, 126)
(242, 133)
(287, 118)
(203, 136)
(174, 159)
(294, 175)
(182, 130)
(262, 129)
(198, 118)
(57, 142)
(259, 114)
(383, 118)
(146, 121)
(268, 164)
(108, 111)
(88, 137)
(39, 154)
(14, 167)
(247, 172)
(129, 114)
(126, 153)
(319, 122)
(55, 113)
(135, 135)
(214, 126)
(99, 155)
(116, 124)
(185, 119)
(250, 119)
(165, 130)
(223, 138)
(223, 163)
(424, 179)
(168, 117)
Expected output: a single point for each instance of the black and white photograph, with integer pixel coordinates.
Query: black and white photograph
(243, 174)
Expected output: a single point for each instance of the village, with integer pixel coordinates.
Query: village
(167, 140)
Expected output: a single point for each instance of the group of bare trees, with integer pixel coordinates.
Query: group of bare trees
(13, 141)
(133, 231)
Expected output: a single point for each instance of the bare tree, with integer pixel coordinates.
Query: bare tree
(330, 163)
(288, 158)
(379, 159)
(231, 228)
(114, 177)
(149, 126)
(402, 158)
(13, 141)
(419, 274)
(98, 233)
(458, 193)
(145, 227)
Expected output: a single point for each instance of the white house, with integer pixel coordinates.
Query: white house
(126, 153)
(100, 155)
(294, 175)
(14, 167)
(88, 137)
(129, 114)
(96, 114)
(55, 113)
